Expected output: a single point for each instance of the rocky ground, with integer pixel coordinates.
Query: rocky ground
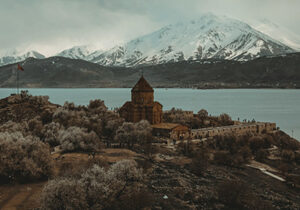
(190, 191)
(170, 179)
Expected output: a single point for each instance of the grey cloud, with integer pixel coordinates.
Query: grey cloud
(50, 26)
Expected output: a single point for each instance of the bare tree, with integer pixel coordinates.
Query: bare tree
(23, 158)
(78, 139)
(97, 188)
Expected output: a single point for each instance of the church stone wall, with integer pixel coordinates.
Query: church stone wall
(142, 105)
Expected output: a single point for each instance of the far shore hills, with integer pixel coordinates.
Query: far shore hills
(58, 72)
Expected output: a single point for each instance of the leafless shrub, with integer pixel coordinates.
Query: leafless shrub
(106, 187)
(203, 114)
(284, 141)
(186, 148)
(144, 132)
(12, 127)
(245, 152)
(228, 159)
(68, 116)
(62, 116)
(256, 143)
(132, 133)
(23, 158)
(111, 127)
(223, 158)
(126, 134)
(95, 118)
(65, 193)
(97, 106)
(96, 188)
(39, 100)
(177, 116)
(199, 120)
(288, 155)
(46, 116)
(200, 162)
(225, 119)
(261, 155)
(50, 133)
(35, 127)
(78, 139)
(227, 142)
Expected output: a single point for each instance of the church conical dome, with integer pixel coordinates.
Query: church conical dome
(142, 86)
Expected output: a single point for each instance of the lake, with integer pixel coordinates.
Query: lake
(281, 106)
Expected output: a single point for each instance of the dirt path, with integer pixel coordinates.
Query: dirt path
(266, 169)
(20, 196)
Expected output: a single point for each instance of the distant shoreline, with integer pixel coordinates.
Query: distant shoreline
(217, 88)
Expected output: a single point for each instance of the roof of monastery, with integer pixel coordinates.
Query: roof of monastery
(168, 126)
(142, 85)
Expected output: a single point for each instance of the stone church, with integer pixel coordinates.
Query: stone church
(142, 105)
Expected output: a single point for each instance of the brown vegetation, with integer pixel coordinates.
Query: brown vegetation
(98, 188)
(194, 121)
(23, 158)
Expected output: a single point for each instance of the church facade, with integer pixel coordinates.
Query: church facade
(142, 105)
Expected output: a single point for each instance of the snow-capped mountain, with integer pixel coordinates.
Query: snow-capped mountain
(93, 55)
(77, 52)
(81, 52)
(277, 32)
(15, 56)
(207, 37)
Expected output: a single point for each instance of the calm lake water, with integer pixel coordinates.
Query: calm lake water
(272, 105)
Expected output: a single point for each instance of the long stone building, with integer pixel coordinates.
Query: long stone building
(240, 129)
(142, 105)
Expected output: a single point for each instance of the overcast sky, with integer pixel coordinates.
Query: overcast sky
(53, 25)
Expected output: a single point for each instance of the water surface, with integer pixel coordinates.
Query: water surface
(273, 105)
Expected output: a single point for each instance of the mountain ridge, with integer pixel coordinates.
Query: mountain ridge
(265, 72)
(207, 37)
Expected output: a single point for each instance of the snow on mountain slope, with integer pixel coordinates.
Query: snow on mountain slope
(15, 56)
(77, 52)
(93, 55)
(207, 37)
(277, 32)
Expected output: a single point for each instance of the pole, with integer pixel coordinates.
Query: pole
(18, 81)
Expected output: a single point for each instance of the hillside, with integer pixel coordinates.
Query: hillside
(188, 175)
(271, 72)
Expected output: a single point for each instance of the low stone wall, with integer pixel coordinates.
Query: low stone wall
(240, 129)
